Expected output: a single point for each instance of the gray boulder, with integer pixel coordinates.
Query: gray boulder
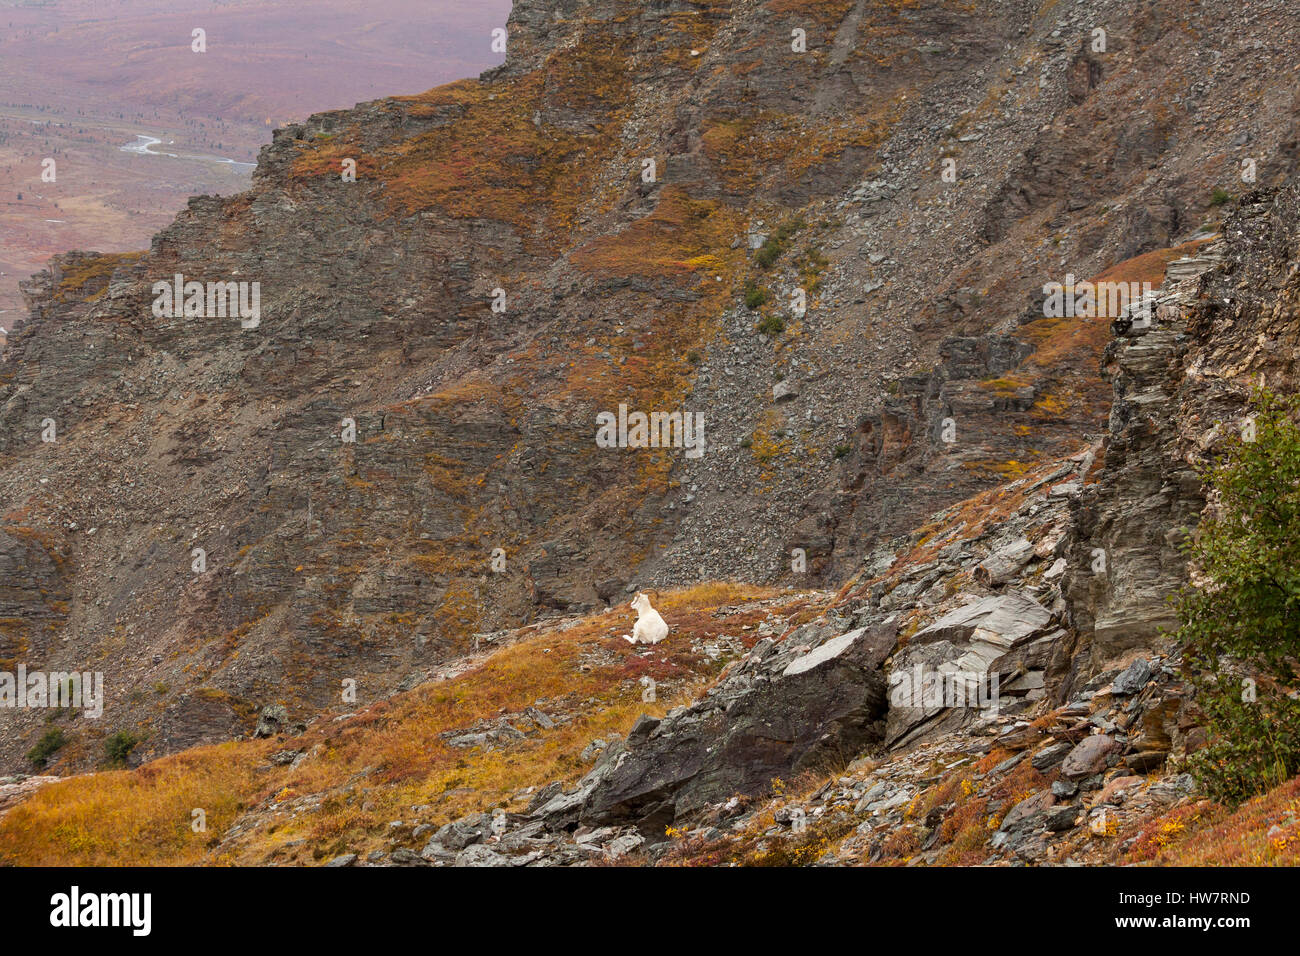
(1050, 755)
(1088, 757)
(1133, 679)
(461, 833)
(1004, 564)
(480, 855)
(797, 709)
(271, 721)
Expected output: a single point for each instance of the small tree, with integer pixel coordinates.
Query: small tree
(1241, 628)
(118, 747)
(50, 743)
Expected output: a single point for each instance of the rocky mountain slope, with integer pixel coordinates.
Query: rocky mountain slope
(778, 728)
(949, 461)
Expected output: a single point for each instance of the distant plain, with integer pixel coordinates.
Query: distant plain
(81, 79)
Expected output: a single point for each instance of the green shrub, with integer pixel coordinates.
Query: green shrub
(1219, 197)
(755, 295)
(52, 741)
(119, 746)
(771, 325)
(774, 246)
(1241, 630)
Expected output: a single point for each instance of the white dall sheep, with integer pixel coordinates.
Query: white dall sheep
(650, 627)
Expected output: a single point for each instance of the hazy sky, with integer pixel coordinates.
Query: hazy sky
(295, 56)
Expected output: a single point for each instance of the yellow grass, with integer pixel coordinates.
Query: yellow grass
(139, 817)
(372, 768)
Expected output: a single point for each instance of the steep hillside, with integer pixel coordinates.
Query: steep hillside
(770, 729)
(891, 433)
(778, 727)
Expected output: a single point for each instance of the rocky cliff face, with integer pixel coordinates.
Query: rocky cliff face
(1061, 594)
(474, 497)
(817, 727)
